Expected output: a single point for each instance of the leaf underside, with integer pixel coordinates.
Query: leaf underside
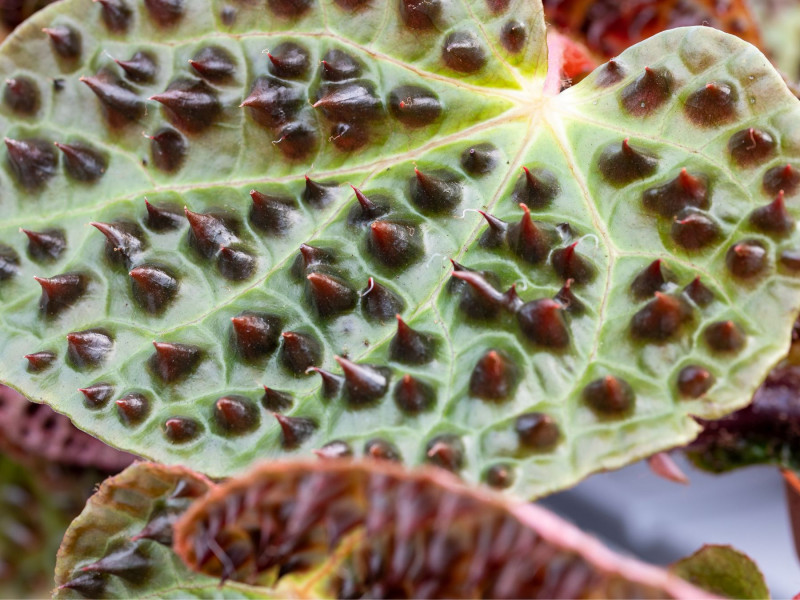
(332, 528)
(498, 385)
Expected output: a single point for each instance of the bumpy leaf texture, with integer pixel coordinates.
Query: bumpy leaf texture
(218, 292)
(121, 544)
(333, 529)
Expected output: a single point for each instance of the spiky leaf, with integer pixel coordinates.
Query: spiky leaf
(375, 530)
(120, 545)
(265, 288)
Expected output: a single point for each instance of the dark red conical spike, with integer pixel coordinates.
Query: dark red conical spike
(699, 293)
(648, 92)
(623, 164)
(116, 15)
(609, 396)
(379, 303)
(363, 384)
(82, 162)
(214, 64)
(39, 361)
(22, 95)
(566, 297)
(338, 65)
(312, 257)
(191, 105)
(649, 281)
(65, 40)
(89, 585)
(299, 352)
(294, 430)
(331, 384)
(153, 287)
(747, 259)
(97, 395)
(536, 188)
(394, 244)
(165, 12)
(318, 195)
(276, 401)
(436, 192)
(61, 291)
(369, 209)
(413, 396)
(209, 232)
(47, 245)
(172, 362)
(750, 147)
(712, 105)
(542, 321)
(124, 241)
(88, 349)
(133, 408)
(694, 230)
(32, 161)
(446, 451)
(140, 68)
(660, 319)
(297, 140)
(694, 381)
(414, 106)
(235, 415)
(168, 149)
(162, 218)
(494, 377)
(411, 347)
(381, 449)
(610, 74)
(685, 191)
(121, 103)
(289, 60)
(272, 103)
(350, 102)
(495, 235)
(725, 336)
(180, 430)
(785, 178)
(536, 431)
(481, 287)
(272, 214)
(255, 335)
(513, 36)
(235, 264)
(568, 264)
(330, 295)
(528, 240)
(773, 218)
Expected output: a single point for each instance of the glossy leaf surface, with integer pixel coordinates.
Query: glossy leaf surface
(658, 238)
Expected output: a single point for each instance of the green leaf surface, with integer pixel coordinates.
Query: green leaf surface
(724, 571)
(514, 389)
(120, 545)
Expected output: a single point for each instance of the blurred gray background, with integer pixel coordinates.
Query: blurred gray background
(639, 513)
